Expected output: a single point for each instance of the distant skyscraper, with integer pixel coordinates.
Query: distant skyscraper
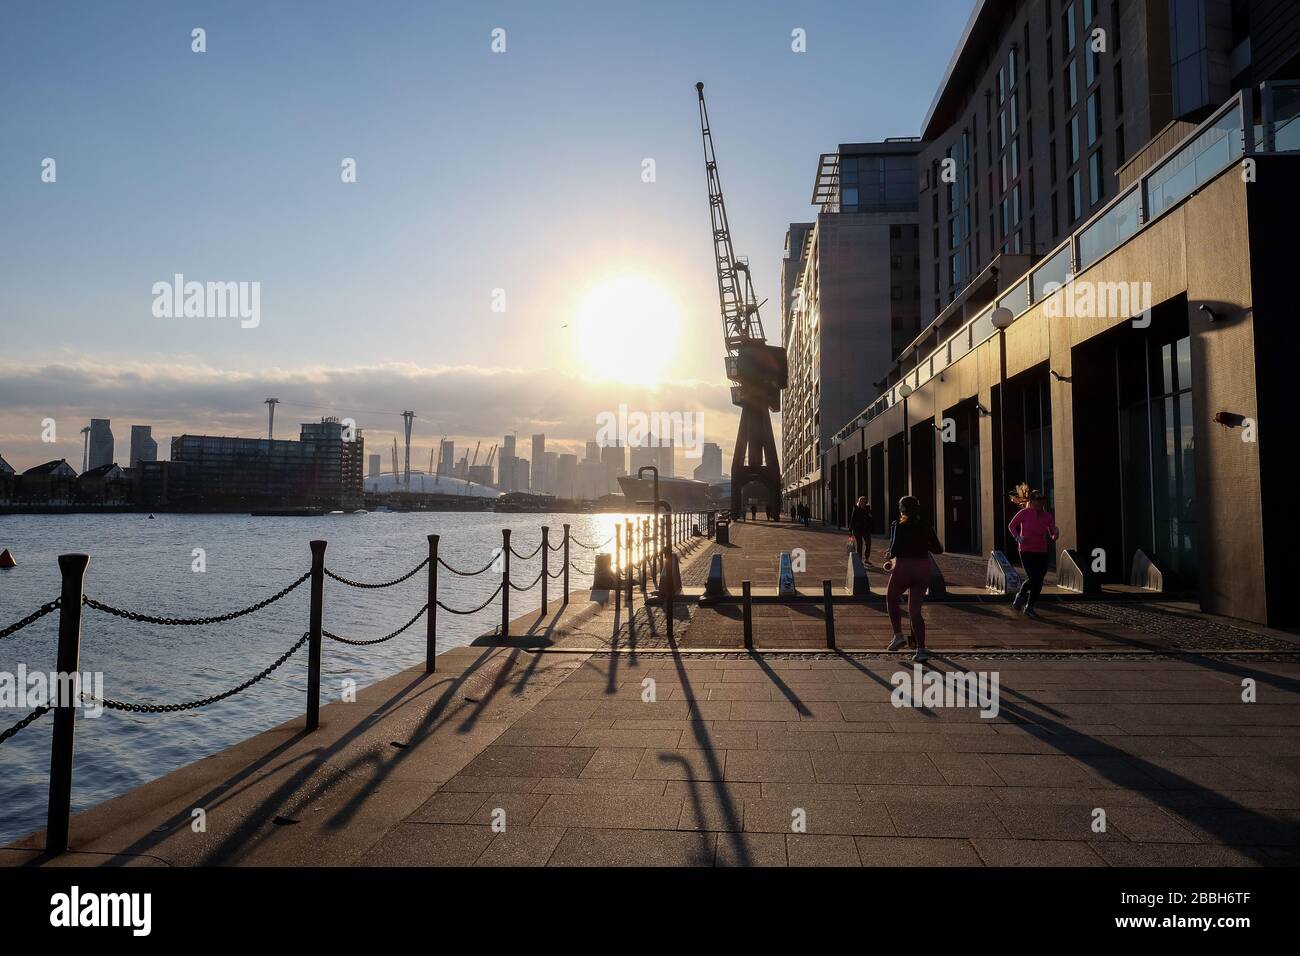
(614, 459)
(521, 474)
(666, 458)
(446, 458)
(642, 456)
(143, 446)
(593, 452)
(506, 465)
(101, 443)
(545, 473)
(375, 465)
(566, 476)
(710, 466)
(539, 459)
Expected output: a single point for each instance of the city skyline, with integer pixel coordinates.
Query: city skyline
(364, 302)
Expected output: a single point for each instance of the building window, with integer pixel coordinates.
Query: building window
(1071, 86)
(1067, 29)
(1014, 113)
(1114, 25)
(1119, 90)
(1051, 151)
(1119, 145)
(1089, 11)
(1096, 184)
(1076, 196)
(1072, 139)
(1091, 66)
(1002, 85)
(1012, 72)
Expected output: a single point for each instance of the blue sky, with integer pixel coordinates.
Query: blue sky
(476, 171)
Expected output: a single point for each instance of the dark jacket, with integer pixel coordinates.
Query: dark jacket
(860, 520)
(913, 539)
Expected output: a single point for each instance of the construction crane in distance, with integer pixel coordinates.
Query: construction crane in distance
(270, 404)
(758, 371)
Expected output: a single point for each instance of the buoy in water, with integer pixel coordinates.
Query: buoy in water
(7, 559)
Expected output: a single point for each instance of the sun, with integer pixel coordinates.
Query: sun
(627, 328)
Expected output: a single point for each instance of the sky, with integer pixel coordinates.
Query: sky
(506, 258)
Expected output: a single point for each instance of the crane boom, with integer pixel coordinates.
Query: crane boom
(757, 370)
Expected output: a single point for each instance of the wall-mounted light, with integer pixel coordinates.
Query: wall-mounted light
(982, 410)
(1214, 316)
(1229, 419)
(1002, 317)
(1059, 377)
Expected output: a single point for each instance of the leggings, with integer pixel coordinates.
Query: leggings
(1035, 563)
(911, 575)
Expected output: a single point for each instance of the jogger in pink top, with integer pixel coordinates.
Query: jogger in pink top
(1034, 528)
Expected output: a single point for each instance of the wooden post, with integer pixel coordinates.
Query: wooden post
(830, 614)
(505, 583)
(546, 553)
(566, 564)
(313, 642)
(431, 620)
(63, 699)
(747, 605)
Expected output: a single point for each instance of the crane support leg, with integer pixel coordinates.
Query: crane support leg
(755, 460)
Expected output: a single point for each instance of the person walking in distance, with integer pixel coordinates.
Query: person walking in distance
(1034, 528)
(860, 528)
(911, 542)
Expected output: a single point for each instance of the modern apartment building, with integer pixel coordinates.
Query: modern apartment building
(322, 469)
(1127, 353)
(850, 298)
(143, 446)
(101, 443)
(710, 467)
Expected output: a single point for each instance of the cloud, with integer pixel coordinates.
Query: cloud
(465, 403)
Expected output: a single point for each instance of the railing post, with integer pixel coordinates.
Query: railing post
(644, 527)
(546, 553)
(72, 567)
(431, 620)
(830, 614)
(615, 561)
(628, 544)
(313, 642)
(747, 612)
(505, 583)
(566, 564)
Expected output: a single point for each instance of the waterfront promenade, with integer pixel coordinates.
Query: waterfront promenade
(586, 741)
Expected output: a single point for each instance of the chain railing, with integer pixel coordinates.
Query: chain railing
(651, 547)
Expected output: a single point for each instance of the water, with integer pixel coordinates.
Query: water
(147, 565)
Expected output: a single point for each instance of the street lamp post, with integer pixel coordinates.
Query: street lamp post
(1002, 317)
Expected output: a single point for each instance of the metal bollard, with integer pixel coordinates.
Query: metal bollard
(830, 614)
(546, 551)
(505, 583)
(566, 564)
(630, 565)
(617, 560)
(431, 623)
(313, 642)
(747, 611)
(72, 567)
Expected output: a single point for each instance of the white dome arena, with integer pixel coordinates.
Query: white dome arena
(430, 485)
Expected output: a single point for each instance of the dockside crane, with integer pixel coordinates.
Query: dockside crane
(757, 371)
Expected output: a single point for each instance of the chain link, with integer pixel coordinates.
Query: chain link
(378, 640)
(386, 584)
(574, 565)
(36, 615)
(526, 557)
(527, 587)
(181, 621)
(34, 715)
(203, 702)
(591, 547)
(469, 574)
(492, 597)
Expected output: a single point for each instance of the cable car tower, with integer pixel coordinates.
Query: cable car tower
(757, 370)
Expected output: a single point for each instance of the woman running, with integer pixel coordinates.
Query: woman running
(1034, 528)
(911, 542)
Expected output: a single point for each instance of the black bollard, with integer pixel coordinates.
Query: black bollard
(505, 583)
(747, 610)
(566, 564)
(830, 614)
(431, 623)
(313, 642)
(546, 551)
(72, 567)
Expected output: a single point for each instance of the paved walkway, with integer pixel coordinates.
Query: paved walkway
(613, 748)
